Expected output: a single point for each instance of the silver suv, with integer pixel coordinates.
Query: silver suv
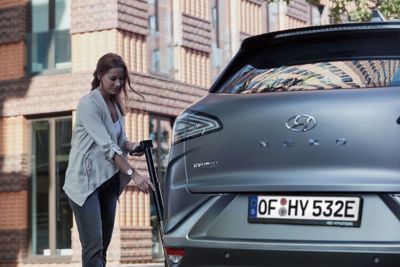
(293, 157)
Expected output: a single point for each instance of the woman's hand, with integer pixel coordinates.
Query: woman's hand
(144, 184)
(131, 147)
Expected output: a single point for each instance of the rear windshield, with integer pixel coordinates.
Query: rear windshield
(314, 76)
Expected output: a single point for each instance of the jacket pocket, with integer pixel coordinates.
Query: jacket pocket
(76, 179)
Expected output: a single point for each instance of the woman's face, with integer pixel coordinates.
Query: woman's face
(112, 81)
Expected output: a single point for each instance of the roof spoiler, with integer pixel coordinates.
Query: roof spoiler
(377, 16)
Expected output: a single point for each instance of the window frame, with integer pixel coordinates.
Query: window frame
(154, 17)
(52, 217)
(51, 52)
(155, 60)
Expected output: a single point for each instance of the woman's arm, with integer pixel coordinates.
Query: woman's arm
(141, 182)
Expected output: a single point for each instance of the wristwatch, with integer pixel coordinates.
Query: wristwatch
(130, 172)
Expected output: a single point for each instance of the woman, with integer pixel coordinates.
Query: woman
(97, 169)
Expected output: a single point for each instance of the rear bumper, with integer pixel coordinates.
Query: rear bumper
(217, 233)
(245, 256)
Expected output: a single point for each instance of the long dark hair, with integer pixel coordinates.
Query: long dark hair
(109, 61)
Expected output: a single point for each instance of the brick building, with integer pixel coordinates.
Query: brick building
(48, 51)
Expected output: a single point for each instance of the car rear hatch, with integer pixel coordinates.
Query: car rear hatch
(259, 136)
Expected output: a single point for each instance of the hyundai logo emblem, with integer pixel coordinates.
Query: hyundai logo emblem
(301, 123)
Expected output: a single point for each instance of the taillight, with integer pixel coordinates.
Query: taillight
(191, 124)
(175, 255)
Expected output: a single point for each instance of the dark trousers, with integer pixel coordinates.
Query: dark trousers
(95, 222)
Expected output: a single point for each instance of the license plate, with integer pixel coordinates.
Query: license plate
(342, 211)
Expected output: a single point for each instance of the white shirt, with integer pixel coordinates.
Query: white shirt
(118, 128)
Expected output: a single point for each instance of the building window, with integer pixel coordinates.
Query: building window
(273, 17)
(161, 134)
(50, 41)
(215, 23)
(153, 16)
(51, 215)
(214, 13)
(155, 60)
(153, 23)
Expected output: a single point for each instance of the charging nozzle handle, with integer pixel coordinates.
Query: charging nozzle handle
(147, 145)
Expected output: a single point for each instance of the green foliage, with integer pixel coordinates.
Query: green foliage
(361, 10)
(339, 11)
(358, 10)
(390, 9)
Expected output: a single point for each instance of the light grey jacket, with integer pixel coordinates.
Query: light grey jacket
(93, 146)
